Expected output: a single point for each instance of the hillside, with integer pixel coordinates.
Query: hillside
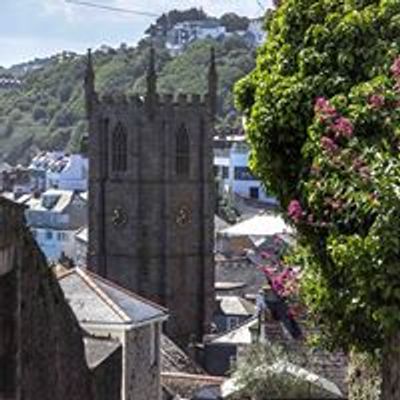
(48, 111)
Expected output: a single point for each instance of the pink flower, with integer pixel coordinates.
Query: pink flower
(328, 144)
(343, 127)
(322, 106)
(268, 271)
(277, 240)
(295, 210)
(267, 254)
(376, 101)
(395, 68)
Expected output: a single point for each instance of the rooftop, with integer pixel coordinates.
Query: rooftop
(97, 350)
(175, 360)
(82, 234)
(258, 225)
(239, 335)
(55, 200)
(95, 300)
(235, 305)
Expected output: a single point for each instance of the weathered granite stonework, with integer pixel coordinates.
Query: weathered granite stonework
(41, 349)
(42, 354)
(151, 198)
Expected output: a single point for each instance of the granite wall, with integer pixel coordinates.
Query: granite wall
(42, 352)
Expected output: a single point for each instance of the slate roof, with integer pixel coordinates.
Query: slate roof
(235, 305)
(239, 335)
(175, 360)
(98, 301)
(97, 350)
(62, 199)
(189, 386)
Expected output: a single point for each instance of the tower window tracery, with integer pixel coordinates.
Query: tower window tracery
(119, 149)
(182, 152)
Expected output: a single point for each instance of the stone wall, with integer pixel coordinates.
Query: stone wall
(41, 348)
(142, 376)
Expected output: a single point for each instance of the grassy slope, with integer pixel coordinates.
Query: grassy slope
(48, 113)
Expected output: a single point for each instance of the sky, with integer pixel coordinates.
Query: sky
(39, 28)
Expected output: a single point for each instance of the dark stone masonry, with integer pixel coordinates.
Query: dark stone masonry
(151, 198)
(42, 353)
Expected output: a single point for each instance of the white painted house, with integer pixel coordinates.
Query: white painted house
(54, 218)
(231, 165)
(61, 171)
(184, 33)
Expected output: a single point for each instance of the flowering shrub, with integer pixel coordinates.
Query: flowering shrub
(352, 194)
(322, 116)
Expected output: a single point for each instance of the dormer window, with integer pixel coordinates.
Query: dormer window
(119, 149)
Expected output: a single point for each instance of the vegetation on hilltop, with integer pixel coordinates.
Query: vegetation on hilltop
(48, 112)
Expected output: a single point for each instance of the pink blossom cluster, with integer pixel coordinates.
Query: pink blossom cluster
(395, 68)
(295, 211)
(360, 167)
(324, 108)
(376, 101)
(284, 283)
(342, 127)
(328, 144)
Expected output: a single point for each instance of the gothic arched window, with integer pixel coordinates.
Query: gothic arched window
(119, 149)
(182, 152)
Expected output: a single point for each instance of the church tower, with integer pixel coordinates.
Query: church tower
(151, 198)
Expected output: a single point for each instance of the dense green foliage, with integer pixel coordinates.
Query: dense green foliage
(322, 110)
(48, 112)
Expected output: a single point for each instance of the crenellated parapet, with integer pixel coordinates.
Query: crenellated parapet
(152, 100)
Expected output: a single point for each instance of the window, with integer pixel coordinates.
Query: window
(62, 236)
(243, 174)
(49, 235)
(254, 192)
(232, 322)
(225, 172)
(119, 149)
(182, 153)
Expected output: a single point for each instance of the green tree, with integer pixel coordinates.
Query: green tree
(322, 117)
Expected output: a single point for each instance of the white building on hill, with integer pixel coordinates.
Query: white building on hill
(184, 33)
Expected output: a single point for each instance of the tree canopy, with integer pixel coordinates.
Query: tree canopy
(322, 116)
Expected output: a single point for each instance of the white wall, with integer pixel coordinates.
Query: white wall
(55, 242)
(73, 177)
(238, 156)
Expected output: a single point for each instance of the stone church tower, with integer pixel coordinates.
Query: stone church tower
(151, 198)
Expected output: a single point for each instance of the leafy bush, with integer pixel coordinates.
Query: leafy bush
(322, 117)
